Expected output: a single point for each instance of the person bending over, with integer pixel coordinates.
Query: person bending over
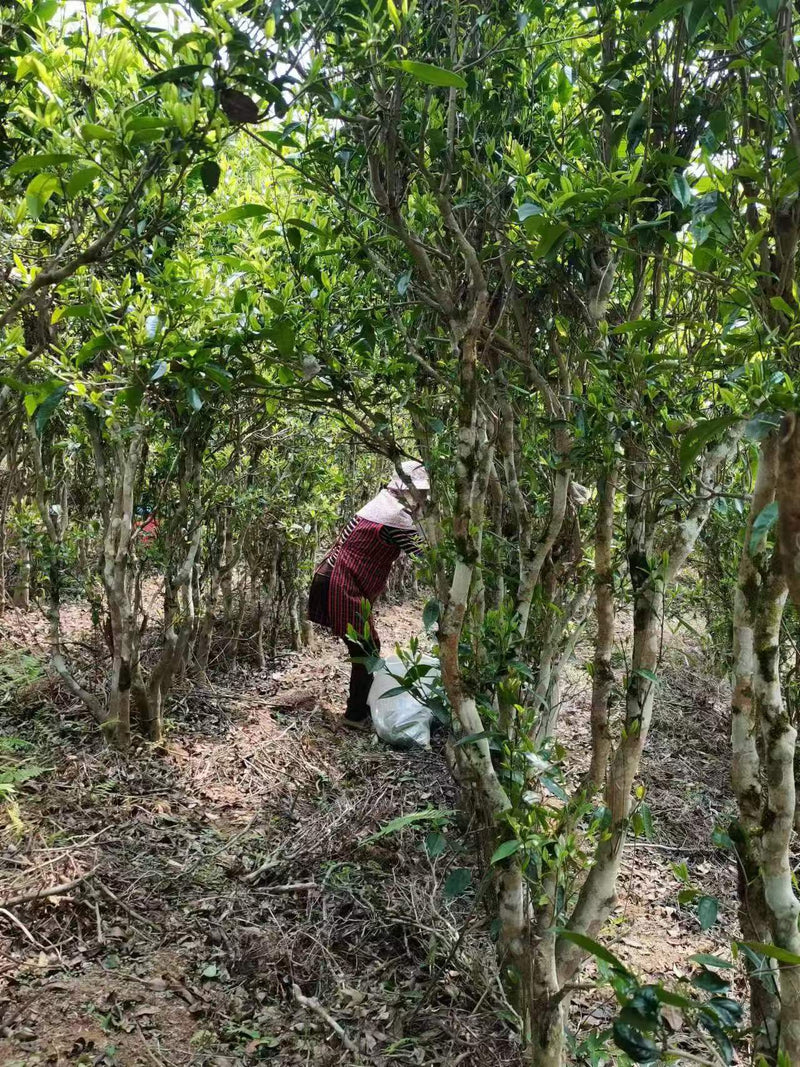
(357, 568)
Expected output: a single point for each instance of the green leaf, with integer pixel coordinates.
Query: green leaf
(218, 375)
(660, 13)
(132, 397)
(81, 180)
(149, 136)
(695, 15)
(46, 409)
(593, 948)
(762, 524)
(91, 132)
(395, 691)
(636, 127)
(101, 342)
(184, 72)
(710, 961)
(309, 227)
(554, 788)
(528, 210)
(159, 370)
(243, 211)
(666, 996)
(283, 336)
(780, 304)
(644, 672)
(430, 75)
(773, 952)
(458, 882)
(39, 191)
(762, 425)
(435, 844)
(430, 614)
(647, 821)
(643, 1012)
(42, 11)
(552, 235)
(564, 89)
(723, 1043)
(18, 775)
(707, 911)
(508, 848)
(642, 327)
(393, 15)
(710, 982)
(680, 188)
(146, 122)
(21, 387)
(38, 162)
(695, 440)
(470, 739)
(640, 1048)
(727, 1010)
(402, 821)
(194, 398)
(721, 839)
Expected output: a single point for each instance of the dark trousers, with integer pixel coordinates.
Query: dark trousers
(360, 683)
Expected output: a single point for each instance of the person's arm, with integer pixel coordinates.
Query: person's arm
(408, 541)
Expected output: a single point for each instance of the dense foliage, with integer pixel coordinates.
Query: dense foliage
(253, 254)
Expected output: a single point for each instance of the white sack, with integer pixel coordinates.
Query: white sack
(401, 720)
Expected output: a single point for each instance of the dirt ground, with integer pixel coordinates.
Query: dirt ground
(223, 901)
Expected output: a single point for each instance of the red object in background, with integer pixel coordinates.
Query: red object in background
(148, 530)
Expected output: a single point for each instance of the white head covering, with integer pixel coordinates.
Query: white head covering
(388, 509)
(415, 474)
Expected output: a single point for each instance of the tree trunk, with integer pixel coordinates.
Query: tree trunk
(603, 674)
(788, 491)
(22, 586)
(649, 581)
(118, 583)
(779, 739)
(547, 1038)
(746, 766)
(547, 1010)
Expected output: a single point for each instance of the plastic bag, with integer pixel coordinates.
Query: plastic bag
(401, 720)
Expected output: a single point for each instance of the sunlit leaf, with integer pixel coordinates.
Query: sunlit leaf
(38, 162)
(426, 72)
(502, 852)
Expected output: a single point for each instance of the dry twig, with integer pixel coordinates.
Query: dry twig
(313, 1005)
(50, 891)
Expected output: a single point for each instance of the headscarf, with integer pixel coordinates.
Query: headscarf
(388, 509)
(414, 473)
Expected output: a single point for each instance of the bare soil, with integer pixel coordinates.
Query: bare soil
(217, 883)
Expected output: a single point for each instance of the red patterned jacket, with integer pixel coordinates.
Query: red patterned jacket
(356, 569)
